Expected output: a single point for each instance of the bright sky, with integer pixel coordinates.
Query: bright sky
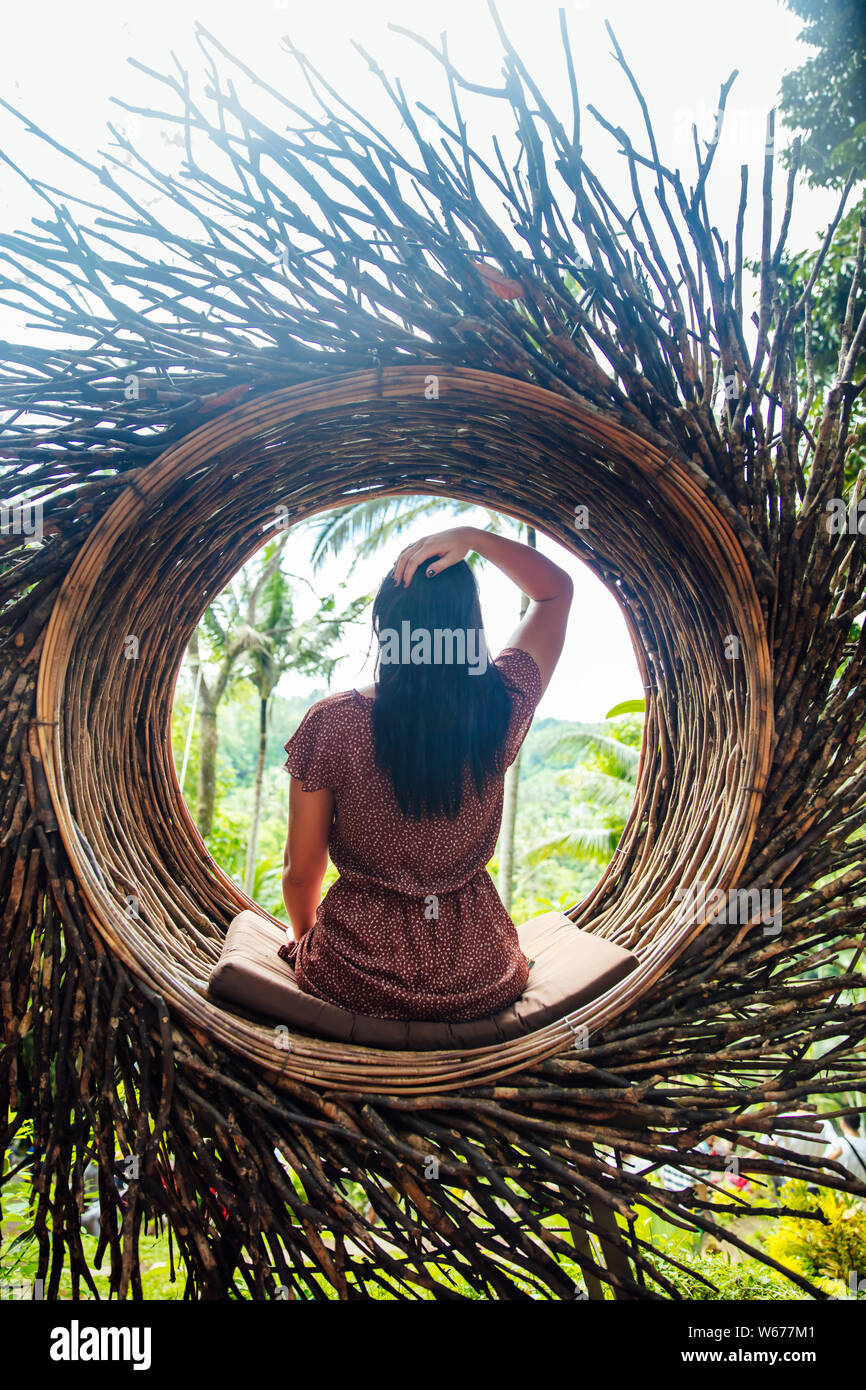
(60, 64)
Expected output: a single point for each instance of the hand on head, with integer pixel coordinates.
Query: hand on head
(442, 549)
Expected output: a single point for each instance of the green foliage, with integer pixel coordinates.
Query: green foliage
(741, 1280)
(827, 1250)
(19, 1254)
(830, 292)
(829, 299)
(602, 783)
(227, 843)
(544, 808)
(825, 98)
(238, 734)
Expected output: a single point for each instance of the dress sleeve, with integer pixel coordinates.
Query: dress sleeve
(524, 681)
(310, 751)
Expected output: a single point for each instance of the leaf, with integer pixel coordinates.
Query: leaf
(627, 707)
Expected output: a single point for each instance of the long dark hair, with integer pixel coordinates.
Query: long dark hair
(433, 720)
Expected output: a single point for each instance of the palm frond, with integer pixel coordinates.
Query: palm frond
(619, 758)
(593, 844)
(369, 525)
(604, 789)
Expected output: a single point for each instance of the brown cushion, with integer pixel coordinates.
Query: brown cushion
(571, 967)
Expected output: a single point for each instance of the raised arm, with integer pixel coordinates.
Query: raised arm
(541, 632)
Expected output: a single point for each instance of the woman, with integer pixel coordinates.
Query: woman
(403, 783)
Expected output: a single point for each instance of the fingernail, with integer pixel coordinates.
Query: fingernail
(430, 573)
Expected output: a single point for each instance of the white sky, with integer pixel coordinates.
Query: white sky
(60, 64)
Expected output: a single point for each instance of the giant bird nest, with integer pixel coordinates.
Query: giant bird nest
(347, 319)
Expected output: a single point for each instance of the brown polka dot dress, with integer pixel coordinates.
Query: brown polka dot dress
(413, 928)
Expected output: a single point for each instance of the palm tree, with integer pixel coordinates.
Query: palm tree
(220, 632)
(267, 647)
(274, 644)
(248, 632)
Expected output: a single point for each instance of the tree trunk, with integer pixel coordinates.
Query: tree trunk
(208, 740)
(253, 841)
(209, 698)
(509, 824)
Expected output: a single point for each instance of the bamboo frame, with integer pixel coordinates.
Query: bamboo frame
(105, 749)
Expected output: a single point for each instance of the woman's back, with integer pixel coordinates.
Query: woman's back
(414, 927)
(404, 791)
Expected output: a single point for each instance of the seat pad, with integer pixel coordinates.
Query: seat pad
(571, 968)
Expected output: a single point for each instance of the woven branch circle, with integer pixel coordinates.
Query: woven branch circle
(176, 535)
(586, 354)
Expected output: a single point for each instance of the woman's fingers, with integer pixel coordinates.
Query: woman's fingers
(443, 560)
(445, 547)
(402, 560)
(399, 564)
(422, 553)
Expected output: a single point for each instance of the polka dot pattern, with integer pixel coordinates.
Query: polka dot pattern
(414, 927)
